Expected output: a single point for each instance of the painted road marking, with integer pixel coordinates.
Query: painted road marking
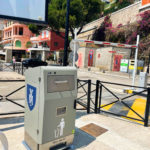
(138, 105)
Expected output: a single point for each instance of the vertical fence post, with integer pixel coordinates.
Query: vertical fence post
(14, 67)
(21, 68)
(147, 108)
(75, 101)
(18, 67)
(75, 104)
(96, 96)
(100, 98)
(89, 96)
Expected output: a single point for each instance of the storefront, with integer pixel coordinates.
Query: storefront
(40, 53)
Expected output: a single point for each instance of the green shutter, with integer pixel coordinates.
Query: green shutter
(18, 43)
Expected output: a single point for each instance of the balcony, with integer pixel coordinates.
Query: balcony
(39, 48)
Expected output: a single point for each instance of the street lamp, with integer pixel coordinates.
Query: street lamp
(66, 34)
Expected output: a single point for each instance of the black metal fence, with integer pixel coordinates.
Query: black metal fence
(96, 97)
(6, 98)
(12, 67)
(92, 99)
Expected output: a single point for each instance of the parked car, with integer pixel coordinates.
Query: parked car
(33, 62)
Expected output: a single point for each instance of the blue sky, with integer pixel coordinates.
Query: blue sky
(29, 9)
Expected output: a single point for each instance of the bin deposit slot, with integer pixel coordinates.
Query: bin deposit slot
(61, 82)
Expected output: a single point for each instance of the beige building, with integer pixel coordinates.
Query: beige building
(104, 58)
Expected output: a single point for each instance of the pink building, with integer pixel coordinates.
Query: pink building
(46, 42)
(16, 40)
(54, 41)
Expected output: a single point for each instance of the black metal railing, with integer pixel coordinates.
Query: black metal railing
(90, 98)
(13, 67)
(86, 92)
(95, 104)
(6, 98)
(6, 66)
(100, 85)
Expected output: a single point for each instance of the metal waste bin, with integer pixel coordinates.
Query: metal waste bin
(49, 107)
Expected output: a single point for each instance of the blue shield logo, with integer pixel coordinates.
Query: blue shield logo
(31, 96)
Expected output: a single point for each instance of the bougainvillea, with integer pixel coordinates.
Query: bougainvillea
(127, 33)
(99, 34)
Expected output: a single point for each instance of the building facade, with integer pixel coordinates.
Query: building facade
(47, 42)
(145, 5)
(102, 58)
(16, 38)
(1, 31)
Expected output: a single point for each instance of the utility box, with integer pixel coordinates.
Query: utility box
(143, 79)
(140, 66)
(124, 65)
(49, 107)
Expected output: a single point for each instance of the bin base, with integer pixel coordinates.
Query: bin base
(61, 143)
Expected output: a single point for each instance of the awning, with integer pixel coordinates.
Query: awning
(2, 52)
(39, 49)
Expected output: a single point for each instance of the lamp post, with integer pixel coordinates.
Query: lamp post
(66, 35)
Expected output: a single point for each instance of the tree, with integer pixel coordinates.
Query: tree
(99, 34)
(81, 13)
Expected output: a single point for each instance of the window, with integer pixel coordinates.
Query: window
(15, 30)
(42, 34)
(55, 43)
(20, 31)
(47, 33)
(18, 43)
(28, 44)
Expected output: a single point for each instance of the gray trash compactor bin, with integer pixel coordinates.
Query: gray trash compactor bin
(49, 107)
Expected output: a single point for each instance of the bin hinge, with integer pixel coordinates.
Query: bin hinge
(39, 79)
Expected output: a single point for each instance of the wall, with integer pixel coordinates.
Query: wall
(14, 37)
(123, 16)
(83, 54)
(54, 38)
(104, 62)
(81, 57)
(107, 56)
(8, 56)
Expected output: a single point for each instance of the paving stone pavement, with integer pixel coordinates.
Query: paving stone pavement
(121, 135)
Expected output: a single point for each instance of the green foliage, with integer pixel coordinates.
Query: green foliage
(51, 57)
(35, 28)
(28, 44)
(118, 5)
(128, 34)
(81, 13)
(99, 34)
(1, 46)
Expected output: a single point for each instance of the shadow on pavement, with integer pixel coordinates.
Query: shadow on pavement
(82, 139)
(80, 114)
(11, 128)
(11, 120)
